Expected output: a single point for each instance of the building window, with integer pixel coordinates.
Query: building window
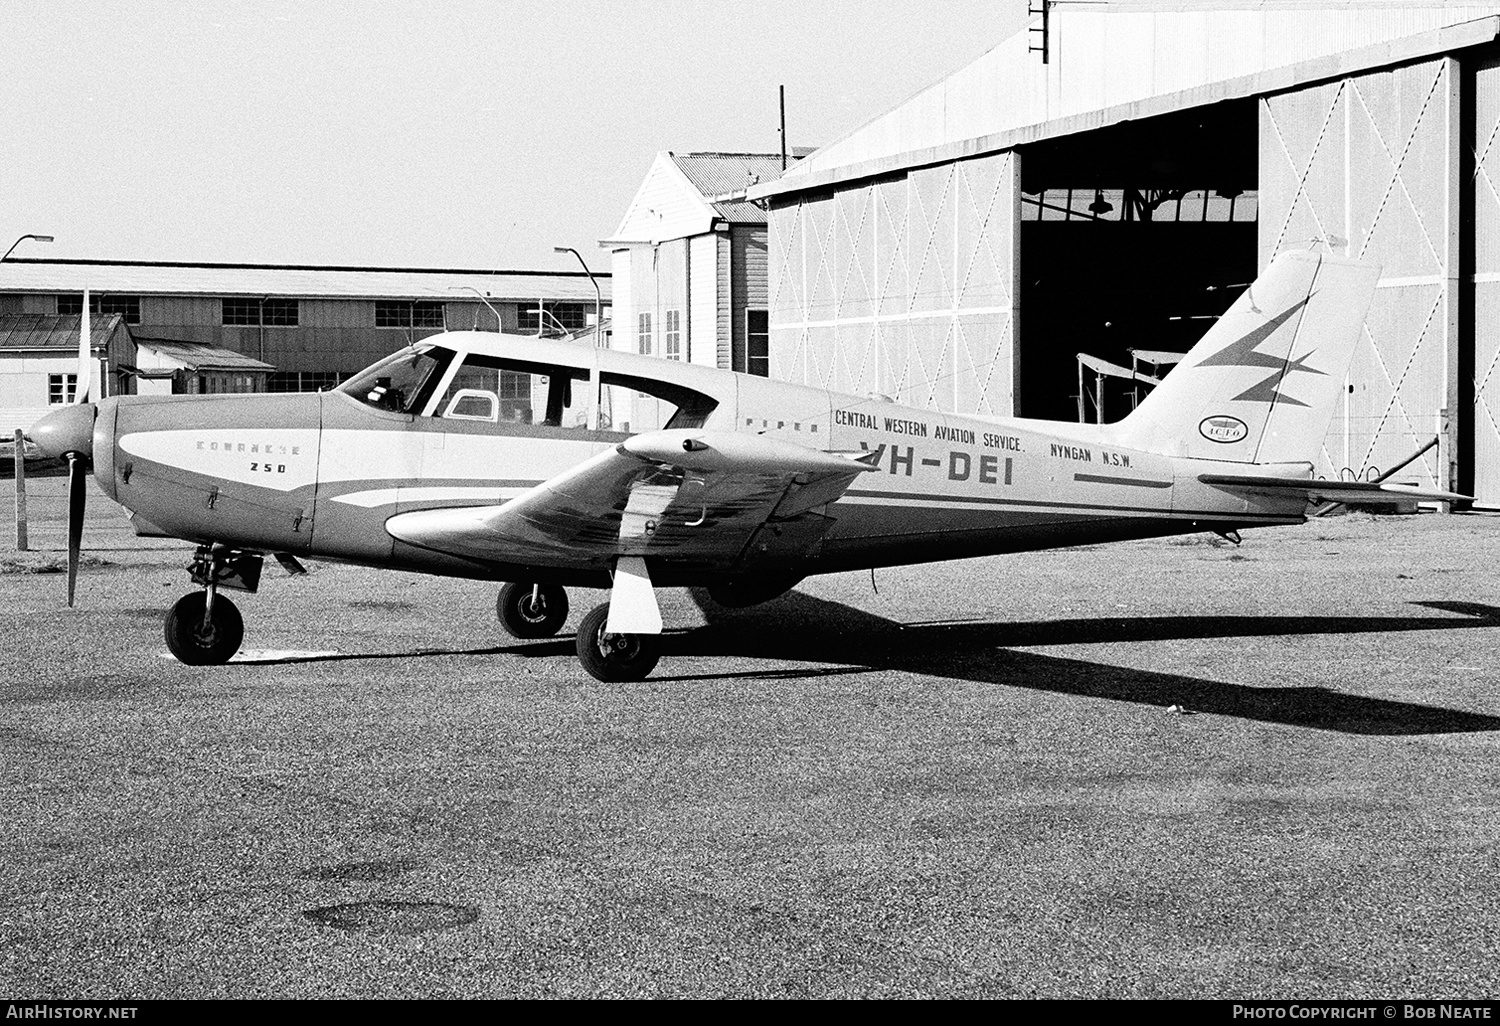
(392, 314)
(758, 342)
(672, 335)
(222, 382)
(240, 312)
(62, 389)
(559, 319)
(397, 313)
(280, 313)
(69, 303)
(643, 333)
(303, 381)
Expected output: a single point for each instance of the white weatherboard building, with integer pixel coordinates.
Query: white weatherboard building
(1111, 178)
(689, 262)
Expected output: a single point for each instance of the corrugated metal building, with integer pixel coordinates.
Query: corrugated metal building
(315, 325)
(1111, 177)
(689, 261)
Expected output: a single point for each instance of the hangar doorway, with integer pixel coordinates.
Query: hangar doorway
(1133, 237)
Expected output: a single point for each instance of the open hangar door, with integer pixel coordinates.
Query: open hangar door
(1135, 236)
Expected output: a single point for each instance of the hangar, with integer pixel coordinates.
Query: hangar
(1110, 178)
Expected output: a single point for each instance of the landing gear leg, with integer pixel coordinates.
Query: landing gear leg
(615, 658)
(204, 628)
(532, 610)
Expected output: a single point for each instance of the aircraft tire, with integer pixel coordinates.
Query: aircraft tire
(194, 645)
(615, 658)
(522, 619)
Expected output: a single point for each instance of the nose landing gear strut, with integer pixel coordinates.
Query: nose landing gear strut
(204, 628)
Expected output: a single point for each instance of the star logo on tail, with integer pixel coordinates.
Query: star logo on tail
(1241, 353)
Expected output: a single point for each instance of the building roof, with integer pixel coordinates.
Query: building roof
(294, 281)
(198, 356)
(684, 194)
(38, 331)
(722, 178)
(1113, 62)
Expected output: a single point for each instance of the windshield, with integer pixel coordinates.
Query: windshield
(399, 383)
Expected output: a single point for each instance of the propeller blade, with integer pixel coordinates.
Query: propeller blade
(77, 490)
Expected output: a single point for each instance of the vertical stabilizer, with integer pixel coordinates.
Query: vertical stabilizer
(1263, 384)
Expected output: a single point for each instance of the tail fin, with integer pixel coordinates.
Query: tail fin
(1262, 385)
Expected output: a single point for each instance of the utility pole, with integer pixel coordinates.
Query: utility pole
(782, 91)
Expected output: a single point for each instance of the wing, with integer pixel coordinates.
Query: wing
(696, 498)
(1362, 492)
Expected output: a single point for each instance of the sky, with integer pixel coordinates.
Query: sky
(442, 133)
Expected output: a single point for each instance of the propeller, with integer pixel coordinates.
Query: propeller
(69, 433)
(77, 490)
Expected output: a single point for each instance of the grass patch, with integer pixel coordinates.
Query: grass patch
(45, 563)
(1213, 541)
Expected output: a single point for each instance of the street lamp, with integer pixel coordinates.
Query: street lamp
(499, 326)
(34, 238)
(598, 296)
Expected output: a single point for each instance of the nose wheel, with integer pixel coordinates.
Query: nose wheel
(532, 610)
(200, 634)
(615, 658)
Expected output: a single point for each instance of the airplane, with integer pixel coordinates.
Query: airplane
(547, 465)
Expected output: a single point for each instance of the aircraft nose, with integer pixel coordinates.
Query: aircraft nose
(70, 429)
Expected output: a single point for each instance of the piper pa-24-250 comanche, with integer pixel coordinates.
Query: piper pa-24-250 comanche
(512, 459)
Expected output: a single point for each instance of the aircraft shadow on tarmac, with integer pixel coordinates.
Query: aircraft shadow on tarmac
(798, 627)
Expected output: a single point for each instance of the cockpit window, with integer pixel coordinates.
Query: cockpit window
(496, 389)
(633, 404)
(401, 383)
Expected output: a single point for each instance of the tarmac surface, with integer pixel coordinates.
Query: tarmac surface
(1160, 769)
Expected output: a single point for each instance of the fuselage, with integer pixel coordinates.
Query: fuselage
(475, 419)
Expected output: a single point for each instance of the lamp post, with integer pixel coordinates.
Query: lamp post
(34, 238)
(598, 296)
(499, 325)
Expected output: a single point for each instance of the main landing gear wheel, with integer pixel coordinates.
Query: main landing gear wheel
(615, 658)
(199, 642)
(532, 610)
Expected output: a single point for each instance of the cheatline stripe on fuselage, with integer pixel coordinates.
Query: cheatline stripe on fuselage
(1133, 482)
(372, 497)
(874, 498)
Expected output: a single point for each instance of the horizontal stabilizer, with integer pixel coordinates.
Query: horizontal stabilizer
(1361, 492)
